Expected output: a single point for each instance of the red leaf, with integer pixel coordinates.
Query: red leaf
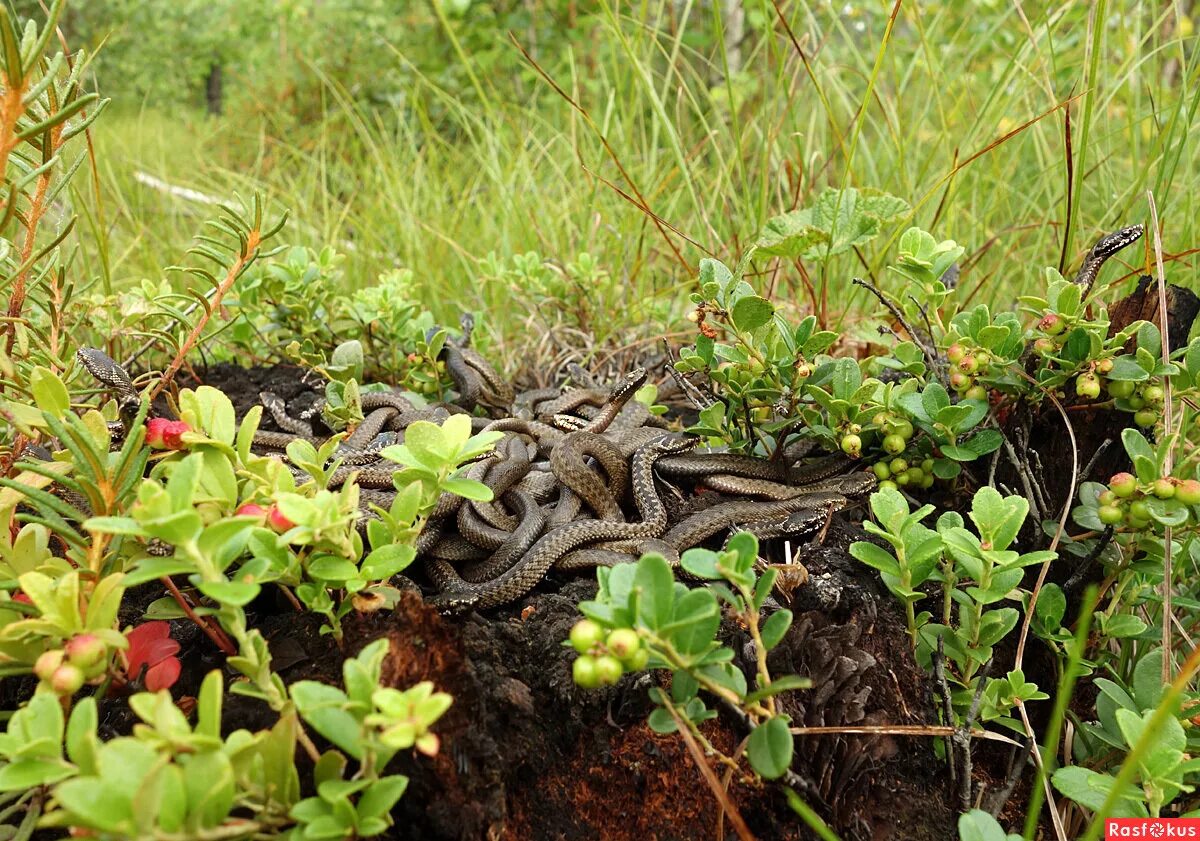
(163, 674)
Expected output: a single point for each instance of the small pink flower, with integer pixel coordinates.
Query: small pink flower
(164, 434)
(150, 645)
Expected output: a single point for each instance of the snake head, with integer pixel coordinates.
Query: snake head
(672, 444)
(628, 385)
(114, 378)
(1110, 244)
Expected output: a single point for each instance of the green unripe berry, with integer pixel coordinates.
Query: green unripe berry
(888, 484)
(927, 481)
(85, 651)
(1044, 347)
(881, 470)
(1138, 523)
(67, 679)
(955, 353)
(903, 479)
(583, 670)
(608, 669)
(901, 426)
(898, 466)
(915, 475)
(960, 381)
(1146, 418)
(881, 419)
(1188, 492)
(1107, 498)
(1123, 484)
(1110, 515)
(894, 444)
(854, 428)
(586, 635)
(1087, 386)
(1120, 389)
(623, 643)
(1136, 402)
(1164, 488)
(638, 660)
(927, 465)
(852, 445)
(1154, 394)
(47, 664)
(975, 392)
(968, 364)
(1139, 510)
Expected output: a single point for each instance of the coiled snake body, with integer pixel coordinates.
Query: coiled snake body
(561, 477)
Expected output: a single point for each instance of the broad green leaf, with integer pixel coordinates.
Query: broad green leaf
(770, 747)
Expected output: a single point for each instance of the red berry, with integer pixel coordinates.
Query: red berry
(164, 434)
(1052, 324)
(250, 509)
(278, 521)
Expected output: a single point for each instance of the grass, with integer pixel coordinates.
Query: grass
(510, 167)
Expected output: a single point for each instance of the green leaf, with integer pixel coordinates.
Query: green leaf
(876, 558)
(776, 626)
(655, 588)
(977, 825)
(235, 593)
(49, 393)
(332, 568)
(751, 312)
(1136, 445)
(1124, 625)
(381, 796)
(468, 489)
(324, 707)
(30, 773)
(769, 748)
(662, 722)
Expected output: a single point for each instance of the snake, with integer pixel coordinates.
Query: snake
(561, 477)
(525, 574)
(1104, 248)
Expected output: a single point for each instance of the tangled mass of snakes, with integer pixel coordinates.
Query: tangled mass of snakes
(582, 477)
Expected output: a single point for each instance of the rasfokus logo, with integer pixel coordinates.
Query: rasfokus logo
(1151, 828)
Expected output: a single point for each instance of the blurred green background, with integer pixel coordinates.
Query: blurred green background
(453, 137)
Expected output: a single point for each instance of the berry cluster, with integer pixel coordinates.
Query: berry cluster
(968, 363)
(605, 656)
(1124, 502)
(899, 469)
(66, 669)
(1145, 399)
